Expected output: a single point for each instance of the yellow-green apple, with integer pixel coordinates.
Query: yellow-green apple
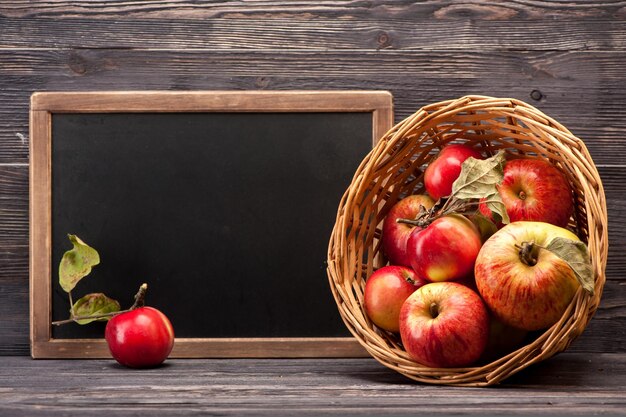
(441, 173)
(535, 190)
(385, 292)
(524, 284)
(395, 235)
(446, 249)
(444, 324)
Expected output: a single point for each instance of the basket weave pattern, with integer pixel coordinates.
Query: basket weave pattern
(394, 169)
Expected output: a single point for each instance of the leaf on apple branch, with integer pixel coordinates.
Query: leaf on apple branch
(576, 255)
(479, 179)
(76, 263)
(92, 307)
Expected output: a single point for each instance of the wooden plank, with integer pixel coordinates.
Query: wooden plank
(409, 26)
(40, 219)
(215, 101)
(304, 347)
(441, 9)
(571, 384)
(582, 90)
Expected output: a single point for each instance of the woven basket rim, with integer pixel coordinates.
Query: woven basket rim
(395, 165)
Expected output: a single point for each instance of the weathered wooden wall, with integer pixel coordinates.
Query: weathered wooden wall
(566, 58)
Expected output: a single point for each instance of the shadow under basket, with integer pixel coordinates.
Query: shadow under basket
(394, 169)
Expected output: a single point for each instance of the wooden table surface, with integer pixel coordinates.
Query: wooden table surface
(566, 58)
(568, 384)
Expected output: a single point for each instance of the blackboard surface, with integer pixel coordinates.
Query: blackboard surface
(222, 201)
(226, 216)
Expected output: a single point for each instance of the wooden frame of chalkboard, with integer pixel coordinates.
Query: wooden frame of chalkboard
(44, 105)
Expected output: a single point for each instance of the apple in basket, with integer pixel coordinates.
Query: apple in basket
(444, 324)
(395, 235)
(535, 190)
(446, 249)
(528, 272)
(441, 173)
(385, 292)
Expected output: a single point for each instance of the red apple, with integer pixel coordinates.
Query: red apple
(535, 190)
(446, 249)
(523, 284)
(441, 173)
(395, 235)
(444, 324)
(385, 292)
(140, 338)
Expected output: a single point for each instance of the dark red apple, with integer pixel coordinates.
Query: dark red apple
(444, 324)
(446, 249)
(385, 292)
(395, 235)
(441, 173)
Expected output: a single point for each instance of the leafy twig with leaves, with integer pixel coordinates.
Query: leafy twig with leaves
(76, 264)
(477, 184)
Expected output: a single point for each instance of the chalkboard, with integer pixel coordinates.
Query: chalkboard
(223, 202)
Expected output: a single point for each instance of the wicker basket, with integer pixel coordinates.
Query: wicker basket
(394, 169)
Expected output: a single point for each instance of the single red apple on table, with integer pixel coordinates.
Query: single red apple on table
(446, 249)
(535, 190)
(395, 235)
(444, 324)
(523, 284)
(140, 338)
(385, 292)
(441, 173)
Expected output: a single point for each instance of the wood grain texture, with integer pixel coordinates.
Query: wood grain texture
(213, 101)
(583, 90)
(305, 10)
(398, 25)
(568, 384)
(566, 58)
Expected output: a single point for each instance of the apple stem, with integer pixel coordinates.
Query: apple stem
(434, 310)
(416, 222)
(528, 253)
(445, 206)
(140, 297)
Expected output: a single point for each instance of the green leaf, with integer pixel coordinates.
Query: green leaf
(485, 226)
(497, 207)
(76, 263)
(95, 304)
(479, 178)
(576, 255)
